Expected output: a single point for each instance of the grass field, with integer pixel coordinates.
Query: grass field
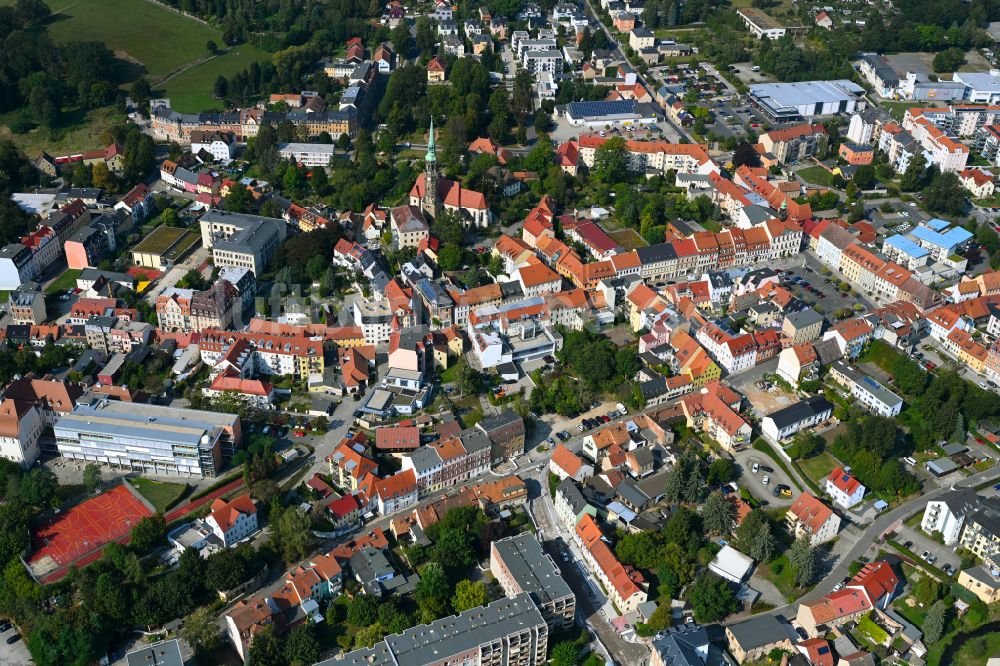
(160, 494)
(816, 175)
(65, 281)
(136, 29)
(629, 239)
(82, 135)
(818, 467)
(191, 90)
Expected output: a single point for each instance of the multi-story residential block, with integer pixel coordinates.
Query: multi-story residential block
(220, 145)
(150, 438)
(375, 320)
(566, 464)
(349, 466)
(795, 143)
(26, 305)
(946, 515)
(788, 421)
(250, 353)
(618, 579)
(802, 326)
(167, 124)
(519, 565)
(233, 520)
(395, 493)
(981, 533)
(654, 156)
(571, 505)
(508, 632)
(189, 310)
(449, 462)
(809, 516)
(506, 434)
(307, 154)
(21, 427)
(866, 390)
(237, 239)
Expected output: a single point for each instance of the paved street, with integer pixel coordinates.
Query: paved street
(885, 522)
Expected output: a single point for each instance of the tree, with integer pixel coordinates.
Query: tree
(211, 47)
(808, 444)
(432, 592)
(103, 178)
(935, 621)
(301, 647)
(265, 649)
(611, 161)
(147, 532)
(369, 636)
(450, 258)
(711, 598)
(468, 595)
(201, 630)
(722, 470)
(291, 535)
(927, 590)
(92, 477)
(912, 179)
(746, 154)
(958, 434)
(754, 537)
(565, 653)
(362, 610)
(949, 60)
(718, 514)
(220, 90)
(802, 558)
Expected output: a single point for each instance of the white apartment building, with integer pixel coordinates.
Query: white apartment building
(946, 515)
(375, 320)
(866, 390)
(307, 154)
(21, 426)
(234, 520)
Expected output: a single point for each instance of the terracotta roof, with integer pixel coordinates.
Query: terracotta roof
(397, 437)
(843, 481)
(810, 512)
(396, 486)
(451, 193)
(226, 513)
(877, 579)
(568, 461)
(837, 605)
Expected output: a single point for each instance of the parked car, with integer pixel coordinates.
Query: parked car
(13, 638)
(925, 556)
(755, 468)
(766, 480)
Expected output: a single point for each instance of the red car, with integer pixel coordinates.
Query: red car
(980, 441)
(929, 366)
(300, 433)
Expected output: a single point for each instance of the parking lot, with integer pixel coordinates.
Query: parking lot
(755, 482)
(920, 543)
(824, 292)
(13, 654)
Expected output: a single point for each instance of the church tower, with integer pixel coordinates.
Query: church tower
(429, 203)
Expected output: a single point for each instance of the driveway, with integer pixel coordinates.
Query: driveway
(923, 543)
(15, 654)
(755, 482)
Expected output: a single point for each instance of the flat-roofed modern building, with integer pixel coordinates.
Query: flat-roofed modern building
(152, 438)
(520, 565)
(307, 154)
(804, 99)
(508, 632)
(245, 241)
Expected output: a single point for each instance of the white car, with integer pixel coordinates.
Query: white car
(766, 480)
(755, 468)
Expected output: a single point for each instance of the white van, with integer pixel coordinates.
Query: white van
(621, 408)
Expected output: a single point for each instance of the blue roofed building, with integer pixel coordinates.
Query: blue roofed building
(905, 252)
(941, 241)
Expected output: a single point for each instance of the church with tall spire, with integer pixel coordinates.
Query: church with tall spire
(433, 194)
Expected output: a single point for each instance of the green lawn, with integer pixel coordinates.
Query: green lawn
(191, 90)
(65, 281)
(816, 175)
(783, 579)
(160, 494)
(151, 35)
(629, 239)
(898, 109)
(818, 467)
(83, 132)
